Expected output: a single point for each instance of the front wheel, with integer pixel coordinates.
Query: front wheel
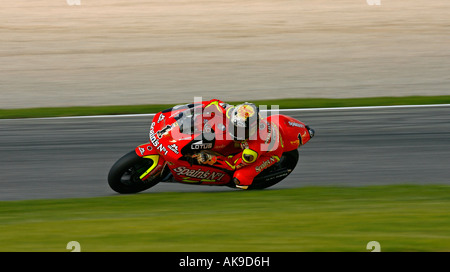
(124, 176)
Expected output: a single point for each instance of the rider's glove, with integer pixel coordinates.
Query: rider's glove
(206, 158)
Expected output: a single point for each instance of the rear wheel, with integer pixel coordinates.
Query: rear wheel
(276, 172)
(124, 176)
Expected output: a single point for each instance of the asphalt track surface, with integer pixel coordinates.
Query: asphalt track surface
(71, 157)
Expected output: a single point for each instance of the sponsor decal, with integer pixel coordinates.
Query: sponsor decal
(295, 124)
(174, 148)
(273, 138)
(199, 174)
(155, 142)
(220, 146)
(269, 134)
(164, 131)
(201, 145)
(161, 117)
(265, 164)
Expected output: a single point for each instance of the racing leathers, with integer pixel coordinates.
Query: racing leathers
(246, 157)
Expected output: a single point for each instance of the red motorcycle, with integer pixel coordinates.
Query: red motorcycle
(176, 137)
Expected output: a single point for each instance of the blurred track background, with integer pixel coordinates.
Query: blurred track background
(111, 52)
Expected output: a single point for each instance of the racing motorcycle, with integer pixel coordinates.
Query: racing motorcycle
(176, 138)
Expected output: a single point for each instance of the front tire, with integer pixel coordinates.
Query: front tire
(124, 174)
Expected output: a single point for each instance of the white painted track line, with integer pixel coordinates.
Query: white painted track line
(280, 110)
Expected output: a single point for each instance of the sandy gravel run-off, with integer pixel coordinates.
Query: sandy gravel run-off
(139, 52)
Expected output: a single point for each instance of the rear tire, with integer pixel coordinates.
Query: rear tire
(124, 174)
(287, 161)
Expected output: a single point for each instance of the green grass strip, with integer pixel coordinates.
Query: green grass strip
(283, 104)
(400, 218)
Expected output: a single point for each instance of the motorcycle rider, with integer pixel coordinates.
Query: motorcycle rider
(255, 140)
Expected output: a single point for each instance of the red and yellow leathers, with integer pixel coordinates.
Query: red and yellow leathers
(247, 158)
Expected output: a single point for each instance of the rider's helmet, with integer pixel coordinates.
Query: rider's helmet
(243, 121)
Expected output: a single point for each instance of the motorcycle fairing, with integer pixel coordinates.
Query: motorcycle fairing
(199, 174)
(148, 151)
(174, 138)
(294, 132)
